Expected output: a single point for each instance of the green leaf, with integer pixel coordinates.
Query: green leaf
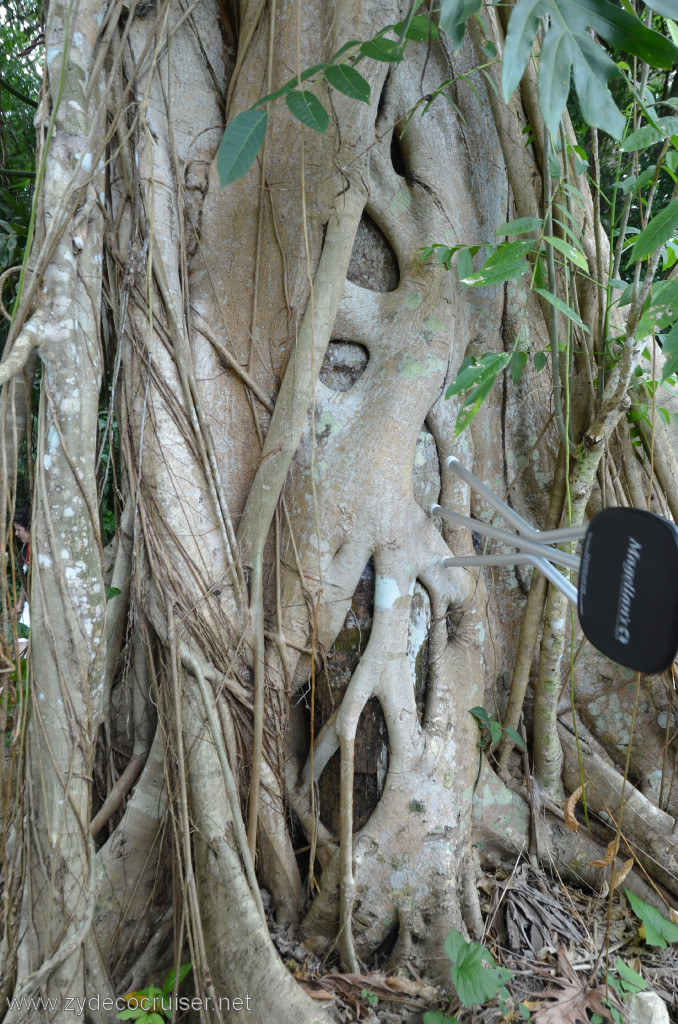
(522, 28)
(240, 144)
(308, 109)
(658, 931)
(481, 716)
(522, 226)
(344, 49)
(290, 85)
(633, 183)
(650, 134)
(464, 264)
(438, 1017)
(483, 376)
(517, 364)
(497, 275)
(567, 311)
(184, 971)
(112, 592)
(576, 238)
(471, 406)
(132, 1014)
(591, 69)
(472, 373)
(495, 731)
(539, 359)
(574, 255)
(578, 198)
(568, 47)
(505, 264)
(508, 252)
(667, 8)
(386, 50)
(421, 28)
(553, 81)
(670, 348)
(662, 227)
(508, 729)
(630, 978)
(475, 984)
(346, 79)
(625, 31)
(453, 17)
(661, 309)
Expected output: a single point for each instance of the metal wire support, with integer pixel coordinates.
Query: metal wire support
(532, 545)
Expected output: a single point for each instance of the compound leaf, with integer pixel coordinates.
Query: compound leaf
(568, 47)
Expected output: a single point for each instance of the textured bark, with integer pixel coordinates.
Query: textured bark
(67, 596)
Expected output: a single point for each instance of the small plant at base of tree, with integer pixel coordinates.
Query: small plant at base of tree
(153, 1005)
(370, 997)
(491, 730)
(475, 977)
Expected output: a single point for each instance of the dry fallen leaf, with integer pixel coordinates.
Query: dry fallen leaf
(568, 810)
(619, 876)
(394, 990)
(569, 1002)
(409, 987)
(312, 989)
(603, 862)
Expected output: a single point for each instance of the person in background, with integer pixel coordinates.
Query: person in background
(22, 523)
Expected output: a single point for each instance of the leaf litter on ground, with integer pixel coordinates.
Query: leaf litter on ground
(568, 1000)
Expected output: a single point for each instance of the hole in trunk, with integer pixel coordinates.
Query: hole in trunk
(370, 767)
(373, 262)
(397, 158)
(418, 644)
(371, 743)
(343, 365)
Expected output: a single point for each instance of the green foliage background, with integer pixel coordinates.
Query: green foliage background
(21, 55)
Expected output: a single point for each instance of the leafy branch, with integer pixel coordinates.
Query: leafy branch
(245, 134)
